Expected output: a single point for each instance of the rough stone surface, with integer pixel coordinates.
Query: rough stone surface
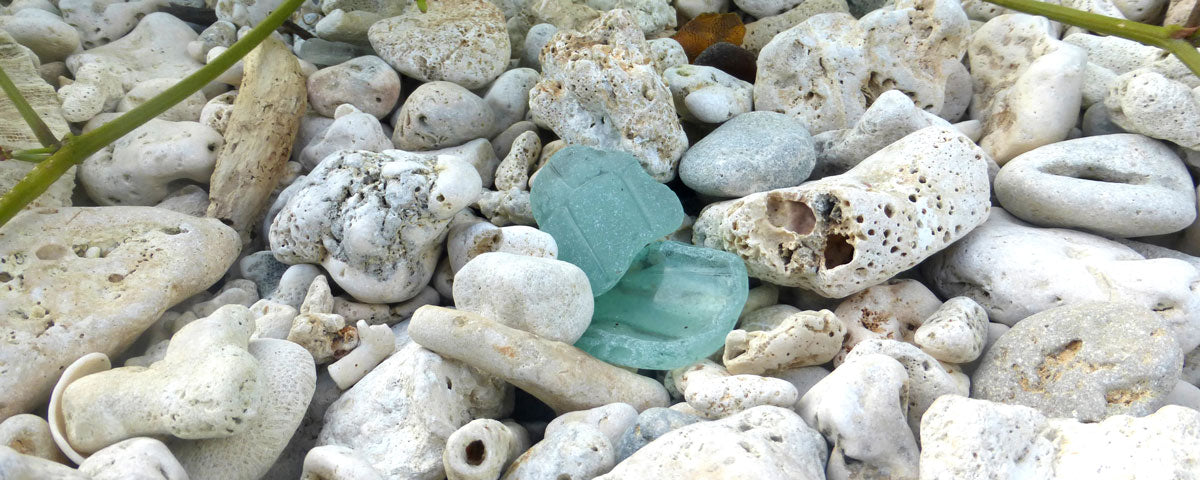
(149, 258)
(624, 105)
(839, 235)
(1144, 101)
(763, 442)
(782, 337)
(648, 427)
(399, 415)
(890, 118)
(927, 378)
(547, 297)
(1088, 361)
(706, 94)
(442, 114)
(460, 41)
(955, 333)
(336, 218)
(366, 82)
(141, 167)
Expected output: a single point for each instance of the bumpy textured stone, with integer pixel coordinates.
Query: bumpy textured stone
(623, 105)
(927, 379)
(442, 114)
(782, 337)
(1144, 101)
(103, 21)
(891, 310)
(891, 117)
(765, 442)
(753, 152)
(460, 41)
(1014, 270)
(62, 269)
(141, 167)
(714, 393)
(902, 46)
(1123, 185)
(1088, 361)
(156, 48)
(839, 235)
(375, 221)
(761, 31)
(1027, 84)
(649, 425)
(674, 306)
(574, 450)
(399, 415)
(351, 130)
(967, 438)
(601, 209)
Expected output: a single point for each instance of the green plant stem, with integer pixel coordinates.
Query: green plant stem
(1140, 32)
(75, 149)
(40, 129)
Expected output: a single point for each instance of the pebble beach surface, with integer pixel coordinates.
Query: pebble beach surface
(614, 239)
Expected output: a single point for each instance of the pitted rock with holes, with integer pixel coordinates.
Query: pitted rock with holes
(839, 235)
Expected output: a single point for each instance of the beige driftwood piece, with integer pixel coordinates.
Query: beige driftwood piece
(258, 140)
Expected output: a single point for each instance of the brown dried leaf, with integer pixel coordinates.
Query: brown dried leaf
(707, 29)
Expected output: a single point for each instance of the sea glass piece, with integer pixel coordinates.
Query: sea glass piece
(601, 207)
(672, 308)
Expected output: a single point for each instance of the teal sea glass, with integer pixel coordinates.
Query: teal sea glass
(601, 208)
(672, 308)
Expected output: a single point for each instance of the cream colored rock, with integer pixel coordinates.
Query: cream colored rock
(893, 310)
(375, 343)
(1122, 185)
(378, 255)
(890, 118)
(666, 53)
(599, 88)
(546, 297)
(782, 337)
(612, 420)
(94, 362)
(149, 258)
(50, 37)
(442, 114)
(287, 377)
(955, 333)
(563, 377)
(351, 130)
(507, 207)
(1146, 102)
(206, 387)
(399, 417)
(156, 48)
(141, 458)
(839, 235)
(30, 435)
(1034, 103)
(1043, 268)
(483, 449)
(463, 41)
(761, 31)
(324, 334)
(474, 236)
(216, 111)
(514, 169)
(860, 408)
(28, 467)
(707, 94)
(902, 46)
(104, 21)
(139, 168)
(332, 462)
(967, 438)
(927, 379)
(272, 319)
(367, 83)
(186, 111)
(244, 13)
(715, 393)
(766, 442)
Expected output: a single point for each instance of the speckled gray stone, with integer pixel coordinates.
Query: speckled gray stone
(753, 152)
(651, 424)
(1087, 360)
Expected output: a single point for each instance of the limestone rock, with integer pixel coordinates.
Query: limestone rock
(91, 280)
(460, 41)
(839, 235)
(753, 152)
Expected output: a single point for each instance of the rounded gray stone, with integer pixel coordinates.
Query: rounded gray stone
(651, 424)
(753, 152)
(1088, 361)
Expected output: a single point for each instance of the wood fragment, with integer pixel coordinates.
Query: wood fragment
(258, 141)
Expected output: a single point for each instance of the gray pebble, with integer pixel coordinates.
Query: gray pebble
(753, 152)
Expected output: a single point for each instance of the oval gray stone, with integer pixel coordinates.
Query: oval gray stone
(1088, 361)
(1123, 185)
(753, 152)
